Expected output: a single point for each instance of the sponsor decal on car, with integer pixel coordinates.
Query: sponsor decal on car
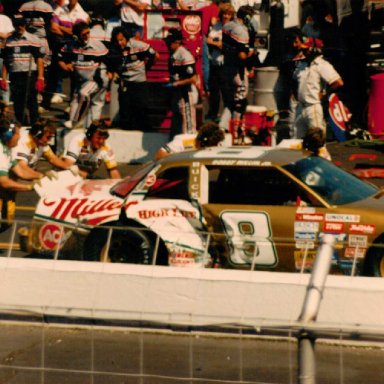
(358, 241)
(333, 227)
(306, 257)
(364, 229)
(352, 252)
(305, 210)
(51, 235)
(310, 216)
(150, 180)
(305, 244)
(165, 212)
(342, 217)
(305, 235)
(256, 163)
(340, 238)
(306, 226)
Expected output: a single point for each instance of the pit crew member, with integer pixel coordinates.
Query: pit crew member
(89, 150)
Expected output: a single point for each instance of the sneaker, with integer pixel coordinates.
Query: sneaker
(56, 99)
(68, 124)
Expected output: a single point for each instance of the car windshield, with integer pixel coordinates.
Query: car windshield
(125, 186)
(332, 183)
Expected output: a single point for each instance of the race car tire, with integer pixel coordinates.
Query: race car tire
(374, 263)
(133, 244)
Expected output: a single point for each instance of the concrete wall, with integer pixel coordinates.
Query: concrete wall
(182, 295)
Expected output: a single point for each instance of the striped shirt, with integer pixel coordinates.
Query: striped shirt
(86, 59)
(37, 14)
(235, 41)
(134, 57)
(6, 162)
(181, 64)
(19, 51)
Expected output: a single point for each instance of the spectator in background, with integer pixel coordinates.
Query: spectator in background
(88, 151)
(210, 14)
(63, 19)
(38, 14)
(130, 59)
(132, 16)
(23, 61)
(216, 67)
(236, 52)
(6, 29)
(183, 78)
(314, 80)
(355, 35)
(85, 60)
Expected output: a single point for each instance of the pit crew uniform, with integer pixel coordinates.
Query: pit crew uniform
(20, 58)
(181, 143)
(89, 79)
(29, 151)
(236, 41)
(37, 14)
(184, 97)
(312, 80)
(133, 90)
(7, 198)
(86, 158)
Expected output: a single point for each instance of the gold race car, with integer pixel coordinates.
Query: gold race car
(258, 208)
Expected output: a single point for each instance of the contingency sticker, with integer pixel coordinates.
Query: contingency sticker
(310, 216)
(342, 218)
(358, 241)
(363, 229)
(306, 257)
(305, 244)
(352, 252)
(333, 227)
(306, 226)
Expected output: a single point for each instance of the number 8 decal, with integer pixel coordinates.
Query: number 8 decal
(249, 235)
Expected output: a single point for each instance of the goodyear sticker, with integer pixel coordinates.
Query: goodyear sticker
(358, 241)
(346, 218)
(306, 226)
(351, 253)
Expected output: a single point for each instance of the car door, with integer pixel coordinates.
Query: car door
(255, 212)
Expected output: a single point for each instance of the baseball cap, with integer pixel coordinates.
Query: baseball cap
(174, 34)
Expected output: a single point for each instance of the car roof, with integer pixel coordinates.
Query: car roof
(274, 155)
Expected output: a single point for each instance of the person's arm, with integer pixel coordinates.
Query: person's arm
(336, 84)
(187, 81)
(5, 35)
(7, 183)
(25, 172)
(136, 5)
(161, 153)
(114, 173)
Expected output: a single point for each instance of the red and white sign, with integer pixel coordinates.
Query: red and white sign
(364, 229)
(50, 235)
(192, 24)
(310, 216)
(351, 252)
(333, 227)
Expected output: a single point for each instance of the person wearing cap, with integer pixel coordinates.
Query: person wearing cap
(183, 79)
(129, 60)
(315, 79)
(85, 60)
(23, 61)
(132, 16)
(32, 147)
(6, 29)
(236, 52)
(88, 151)
(37, 14)
(209, 135)
(9, 137)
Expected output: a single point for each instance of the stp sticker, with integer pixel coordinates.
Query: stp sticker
(50, 235)
(333, 227)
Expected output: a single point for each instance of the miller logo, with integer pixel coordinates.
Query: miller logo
(192, 24)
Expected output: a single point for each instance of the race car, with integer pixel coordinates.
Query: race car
(260, 208)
